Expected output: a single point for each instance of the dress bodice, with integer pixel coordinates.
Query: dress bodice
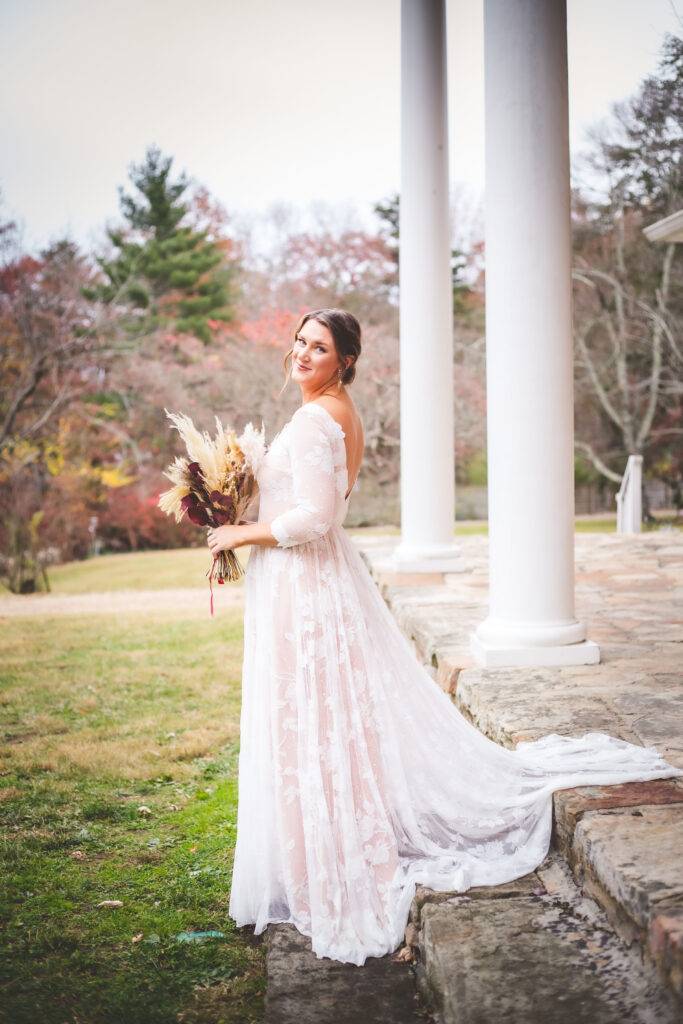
(303, 477)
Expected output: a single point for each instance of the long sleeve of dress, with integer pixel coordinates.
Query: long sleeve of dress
(313, 482)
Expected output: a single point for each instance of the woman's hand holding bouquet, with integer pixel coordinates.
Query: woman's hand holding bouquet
(214, 485)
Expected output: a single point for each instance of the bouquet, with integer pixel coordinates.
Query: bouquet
(214, 484)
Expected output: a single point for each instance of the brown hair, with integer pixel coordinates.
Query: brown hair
(346, 334)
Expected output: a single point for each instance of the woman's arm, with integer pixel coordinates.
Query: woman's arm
(224, 538)
(256, 533)
(313, 483)
(314, 487)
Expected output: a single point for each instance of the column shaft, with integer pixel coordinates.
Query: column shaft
(529, 353)
(426, 299)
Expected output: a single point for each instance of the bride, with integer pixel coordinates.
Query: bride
(358, 777)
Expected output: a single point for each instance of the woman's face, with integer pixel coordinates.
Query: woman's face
(315, 363)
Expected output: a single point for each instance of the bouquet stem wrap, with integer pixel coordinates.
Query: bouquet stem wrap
(225, 566)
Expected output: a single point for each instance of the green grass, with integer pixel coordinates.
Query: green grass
(136, 570)
(99, 718)
(607, 525)
(586, 524)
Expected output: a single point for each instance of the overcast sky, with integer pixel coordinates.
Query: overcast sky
(263, 101)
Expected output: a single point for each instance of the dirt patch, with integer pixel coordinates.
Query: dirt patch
(188, 602)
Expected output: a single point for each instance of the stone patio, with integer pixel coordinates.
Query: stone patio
(622, 844)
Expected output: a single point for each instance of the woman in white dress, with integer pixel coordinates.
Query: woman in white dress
(358, 776)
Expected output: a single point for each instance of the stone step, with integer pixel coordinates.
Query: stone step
(535, 950)
(623, 842)
(302, 989)
(624, 845)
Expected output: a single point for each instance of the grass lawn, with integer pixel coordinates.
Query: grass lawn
(587, 524)
(186, 567)
(101, 717)
(136, 570)
(118, 781)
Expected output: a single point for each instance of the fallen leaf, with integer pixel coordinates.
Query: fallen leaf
(110, 903)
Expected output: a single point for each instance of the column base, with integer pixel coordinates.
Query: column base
(507, 655)
(430, 558)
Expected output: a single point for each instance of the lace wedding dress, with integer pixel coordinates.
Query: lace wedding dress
(358, 776)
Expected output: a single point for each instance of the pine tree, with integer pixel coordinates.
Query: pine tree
(641, 157)
(164, 275)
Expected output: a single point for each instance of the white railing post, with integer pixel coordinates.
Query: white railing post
(630, 497)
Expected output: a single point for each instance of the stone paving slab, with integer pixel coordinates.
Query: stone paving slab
(536, 950)
(638, 854)
(572, 804)
(625, 700)
(632, 861)
(303, 989)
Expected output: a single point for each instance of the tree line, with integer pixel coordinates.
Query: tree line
(178, 310)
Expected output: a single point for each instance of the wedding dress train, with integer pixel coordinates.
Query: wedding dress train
(358, 776)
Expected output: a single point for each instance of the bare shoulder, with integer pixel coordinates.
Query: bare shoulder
(344, 412)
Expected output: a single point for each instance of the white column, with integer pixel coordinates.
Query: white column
(426, 299)
(530, 401)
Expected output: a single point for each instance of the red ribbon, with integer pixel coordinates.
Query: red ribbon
(210, 575)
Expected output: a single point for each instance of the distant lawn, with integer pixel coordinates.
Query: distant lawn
(582, 524)
(186, 567)
(470, 527)
(136, 570)
(99, 718)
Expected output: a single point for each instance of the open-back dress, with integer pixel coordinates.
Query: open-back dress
(358, 776)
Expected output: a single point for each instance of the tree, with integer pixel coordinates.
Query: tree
(640, 152)
(169, 275)
(388, 212)
(628, 299)
(52, 346)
